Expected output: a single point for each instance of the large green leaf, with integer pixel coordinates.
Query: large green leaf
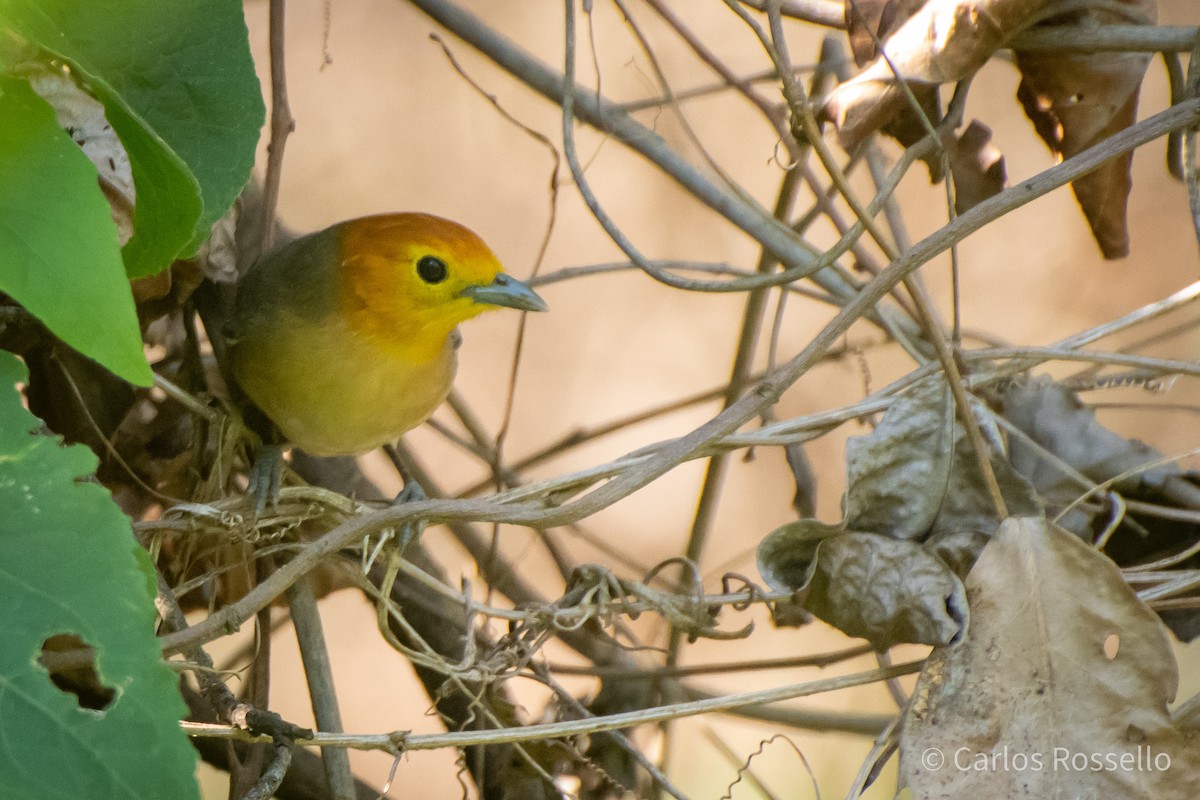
(60, 259)
(69, 565)
(179, 87)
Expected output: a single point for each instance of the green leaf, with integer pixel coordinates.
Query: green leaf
(60, 259)
(69, 565)
(179, 87)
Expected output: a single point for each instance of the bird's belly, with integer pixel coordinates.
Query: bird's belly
(332, 393)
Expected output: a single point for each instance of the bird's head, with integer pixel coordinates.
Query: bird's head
(407, 280)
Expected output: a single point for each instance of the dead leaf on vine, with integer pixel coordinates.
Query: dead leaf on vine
(917, 473)
(1060, 688)
(868, 24)
(977, 166)
(1058, 423)
(1076, 100)
(885, 590)
(940, 43)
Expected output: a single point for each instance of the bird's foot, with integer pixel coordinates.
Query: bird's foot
(266, 476)
(411, 493)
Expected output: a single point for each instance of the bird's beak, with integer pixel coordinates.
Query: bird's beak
(505, 290)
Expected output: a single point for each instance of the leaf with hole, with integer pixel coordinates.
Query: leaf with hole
(1062, 664)
(71, 573)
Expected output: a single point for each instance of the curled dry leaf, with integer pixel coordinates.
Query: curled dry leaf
(883, 590)
(896, 475)
(940, 43)
(868, 24)
(1060, 425)
(82, 116)
(1076, 100)
(917, 474)
(1059, 689)
(977, 166)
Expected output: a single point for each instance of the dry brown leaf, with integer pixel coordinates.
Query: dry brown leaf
(944, 41)
(1059, 690)
(1076, 100)
(870, 22)
(977, 166)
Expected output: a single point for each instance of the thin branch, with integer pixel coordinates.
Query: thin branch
(828, 13)
(319, 673)
(1106, 39)
(282, 124)
(404, 741)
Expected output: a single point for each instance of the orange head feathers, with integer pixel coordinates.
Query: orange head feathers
(343, 337)
(407, 280)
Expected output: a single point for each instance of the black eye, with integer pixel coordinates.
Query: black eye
(431, 269)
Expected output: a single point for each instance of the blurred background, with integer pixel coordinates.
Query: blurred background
(384, 123)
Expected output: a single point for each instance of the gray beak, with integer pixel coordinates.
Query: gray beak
(507, 291)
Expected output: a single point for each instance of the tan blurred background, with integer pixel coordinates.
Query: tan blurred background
(388, 125)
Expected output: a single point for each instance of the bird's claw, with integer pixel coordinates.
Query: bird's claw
(411, 493)
(265, 478)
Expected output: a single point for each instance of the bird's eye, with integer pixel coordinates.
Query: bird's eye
(431, 269)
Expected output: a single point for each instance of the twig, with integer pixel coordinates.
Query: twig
(828, 13)
(600, 113)
(1106, 39)
(404, 741)
(741, 85)
(635, 673)
(743, 363)
(282, 124)
(321, 690)
(272, 776)
(1190, 177)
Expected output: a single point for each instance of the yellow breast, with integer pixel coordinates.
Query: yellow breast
(333, 391)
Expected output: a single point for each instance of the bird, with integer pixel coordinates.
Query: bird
(346, 338)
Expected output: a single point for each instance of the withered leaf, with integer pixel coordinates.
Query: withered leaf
(977, 166)
(787, 554)
(82, 116)
(897, 474)
(940, 43)
(870, 22)
(884, 590)
(1059, 689)
(1055, 419)
(1076, 100)
(917, 473)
